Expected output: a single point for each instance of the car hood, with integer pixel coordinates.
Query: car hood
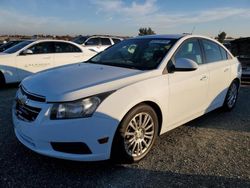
(81, 80)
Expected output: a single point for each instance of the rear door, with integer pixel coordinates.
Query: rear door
(219, 72)
(67, 53)
(40, 59)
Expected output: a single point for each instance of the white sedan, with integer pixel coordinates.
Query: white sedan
(32, 56)
(118, 102)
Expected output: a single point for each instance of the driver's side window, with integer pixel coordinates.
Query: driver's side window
(42, 48)
(190, 50)
(93, 42)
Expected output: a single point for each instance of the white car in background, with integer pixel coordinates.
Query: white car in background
(96, 43)
(32, 56)
(118, 102)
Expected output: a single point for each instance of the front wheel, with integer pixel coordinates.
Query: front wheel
(2, 80)
(231, 97)
(136, 134)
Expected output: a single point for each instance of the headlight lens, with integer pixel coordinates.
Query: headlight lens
(77, 109)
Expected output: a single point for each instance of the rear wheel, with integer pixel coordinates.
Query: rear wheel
(231, 97)
(136, 134)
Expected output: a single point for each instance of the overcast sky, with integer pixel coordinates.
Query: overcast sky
(118, 17)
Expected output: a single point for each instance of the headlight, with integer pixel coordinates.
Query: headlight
(77, 109)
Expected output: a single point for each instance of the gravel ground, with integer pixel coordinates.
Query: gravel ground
(211, 151)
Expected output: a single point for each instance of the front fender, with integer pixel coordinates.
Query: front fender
(120, 102)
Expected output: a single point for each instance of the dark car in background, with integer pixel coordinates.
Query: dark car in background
(241, 49)
(9, 45)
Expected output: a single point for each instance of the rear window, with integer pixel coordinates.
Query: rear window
(105, 41)
(80, 39)
(116, 40)
(61, 47)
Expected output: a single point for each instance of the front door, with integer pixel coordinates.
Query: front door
(40, 57)
(188, 90)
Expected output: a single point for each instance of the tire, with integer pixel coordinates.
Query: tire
(136, 135)
(2, 80)
(231, 97)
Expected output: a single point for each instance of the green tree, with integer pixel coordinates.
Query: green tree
(146, 31)
(221, 37)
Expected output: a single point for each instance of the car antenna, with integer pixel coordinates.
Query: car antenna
(193, 30)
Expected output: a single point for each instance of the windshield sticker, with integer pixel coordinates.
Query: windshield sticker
(159, 41)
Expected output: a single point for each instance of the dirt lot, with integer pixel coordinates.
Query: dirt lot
(211, 151)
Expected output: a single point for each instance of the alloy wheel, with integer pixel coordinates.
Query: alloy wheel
(139, 134)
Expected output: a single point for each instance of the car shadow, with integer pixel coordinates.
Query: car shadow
(236, 120)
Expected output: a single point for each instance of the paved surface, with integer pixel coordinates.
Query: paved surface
(211, 151)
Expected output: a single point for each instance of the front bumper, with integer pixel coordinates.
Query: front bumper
(39, 134)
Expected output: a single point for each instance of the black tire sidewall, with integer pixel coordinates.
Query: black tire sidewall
(2, 80)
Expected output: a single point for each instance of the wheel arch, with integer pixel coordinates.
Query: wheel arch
(155, 107)
(236, 80)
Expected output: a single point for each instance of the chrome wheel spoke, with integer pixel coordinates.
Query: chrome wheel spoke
(149, 133)
(145, 143)
(140, 120)
(135, 123)
(133, 149)
(129, 134)
(131, 144)
(149, 137)
(132, 126)
(146, 120)
(140, 147)
(130, 140)
(149, 126)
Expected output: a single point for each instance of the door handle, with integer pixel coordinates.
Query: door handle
(203, 78)
(226, 69)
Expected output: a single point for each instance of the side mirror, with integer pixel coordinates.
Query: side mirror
(27, 52)
(185, 64)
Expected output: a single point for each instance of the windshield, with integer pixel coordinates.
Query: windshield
(17, 47)
(143, 54)
(8, 45)
(80, 39)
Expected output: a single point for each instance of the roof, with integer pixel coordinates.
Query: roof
(170, 36)
(47, 40)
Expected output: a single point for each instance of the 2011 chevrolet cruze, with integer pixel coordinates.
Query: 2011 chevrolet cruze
(118, 102)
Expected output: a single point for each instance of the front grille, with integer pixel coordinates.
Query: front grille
(31, 96)
(25, 112)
